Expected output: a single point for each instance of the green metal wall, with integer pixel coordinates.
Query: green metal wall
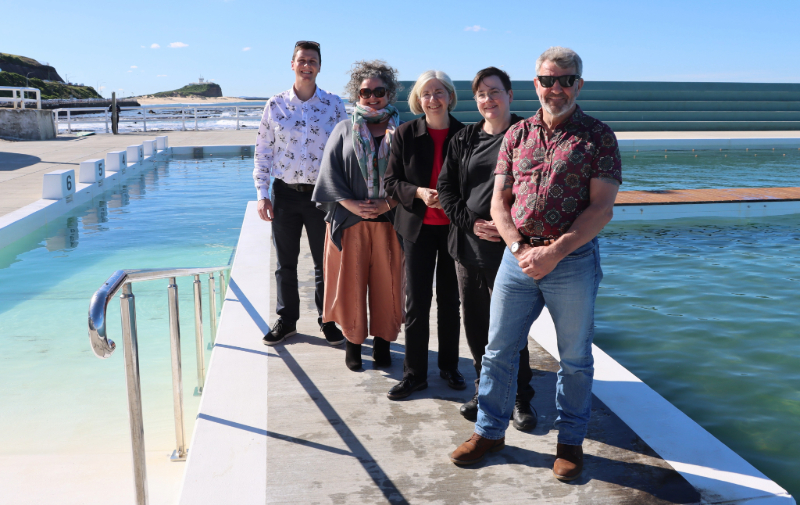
(658, 106)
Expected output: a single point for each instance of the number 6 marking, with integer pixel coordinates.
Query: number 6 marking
(69, 183)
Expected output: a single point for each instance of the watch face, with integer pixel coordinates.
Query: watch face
(514, 247)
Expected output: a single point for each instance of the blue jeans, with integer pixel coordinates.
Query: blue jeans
(569, 292)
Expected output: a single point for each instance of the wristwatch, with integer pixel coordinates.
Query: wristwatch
(515, 246)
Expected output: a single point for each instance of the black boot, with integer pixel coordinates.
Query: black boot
(524, 417)
(352, 356)
(381, 355)
(470, 409)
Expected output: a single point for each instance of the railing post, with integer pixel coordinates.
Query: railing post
(38, 99)
(222, 286)
(195, 119)
(131, 346)
(144, 118)
(198, 334)
(69, 121)
(177, 380)
(183, 118)
(237, 117)
(22, 96)
(212, 308)
(106, 116)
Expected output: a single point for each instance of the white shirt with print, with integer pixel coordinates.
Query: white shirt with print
(292, 136)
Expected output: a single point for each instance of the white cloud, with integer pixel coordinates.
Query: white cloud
(134, 66)
(154, 46)
(142, 46)
(475, 28)
(161, 75)
(246, 49)
(176, 45)
(129, 71)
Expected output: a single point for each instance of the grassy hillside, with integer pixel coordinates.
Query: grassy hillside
(49, 90)
(206, 89)
(23, 66)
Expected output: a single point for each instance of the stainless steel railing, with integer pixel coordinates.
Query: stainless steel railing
(103, 347)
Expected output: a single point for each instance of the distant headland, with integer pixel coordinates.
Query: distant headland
(14, 69)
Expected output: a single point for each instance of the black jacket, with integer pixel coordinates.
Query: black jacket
(410, 166)
(452, 187)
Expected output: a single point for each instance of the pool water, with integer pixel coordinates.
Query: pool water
(659, 170)
(56, 396)
(706, 313)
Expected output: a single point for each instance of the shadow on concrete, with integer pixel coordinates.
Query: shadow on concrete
(14, 161)
(377, 474)
(251, 310)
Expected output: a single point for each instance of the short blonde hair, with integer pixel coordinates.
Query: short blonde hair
(413, 96)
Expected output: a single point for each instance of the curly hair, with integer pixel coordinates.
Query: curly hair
(366, 69)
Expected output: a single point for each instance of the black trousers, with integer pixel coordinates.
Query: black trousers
(424, 257)
(475, 286)
(293, 210)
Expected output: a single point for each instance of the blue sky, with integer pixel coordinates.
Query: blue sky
(246, 45)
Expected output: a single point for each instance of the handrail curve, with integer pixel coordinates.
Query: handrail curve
(102, 346)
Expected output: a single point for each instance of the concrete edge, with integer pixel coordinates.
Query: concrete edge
(227, 460)
(212, 150)
(744, 210)
(717, 472)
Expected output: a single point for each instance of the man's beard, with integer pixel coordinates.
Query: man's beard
(561, 111)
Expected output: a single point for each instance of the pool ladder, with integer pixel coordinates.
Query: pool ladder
(103, 347)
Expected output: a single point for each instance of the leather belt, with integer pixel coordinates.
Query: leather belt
(302, 188)
(538, 241)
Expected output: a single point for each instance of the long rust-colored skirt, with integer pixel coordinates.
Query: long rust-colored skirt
(369, 271)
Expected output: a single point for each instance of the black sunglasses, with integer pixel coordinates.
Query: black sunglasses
(301, 42)
(566, 81)
(379, 92)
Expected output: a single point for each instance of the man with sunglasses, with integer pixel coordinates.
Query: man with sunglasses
(556, 180)
(291, 138)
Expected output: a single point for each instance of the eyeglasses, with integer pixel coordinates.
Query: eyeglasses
(378, 92)
(566, 81)
(439, 93)
(301, 42)
(492, 94)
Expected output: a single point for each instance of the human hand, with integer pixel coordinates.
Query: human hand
(536, 262)
(365, 209)
(486, 230)
(265, 210)
(430, 197)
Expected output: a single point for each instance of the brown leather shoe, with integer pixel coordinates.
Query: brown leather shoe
(474, 449)
(569, 462)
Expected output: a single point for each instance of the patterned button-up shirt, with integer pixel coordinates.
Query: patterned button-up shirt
(292, 136)
(551, 178)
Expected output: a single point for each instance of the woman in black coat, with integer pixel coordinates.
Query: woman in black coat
(418, 151)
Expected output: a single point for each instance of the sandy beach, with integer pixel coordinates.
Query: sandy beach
(150, 100)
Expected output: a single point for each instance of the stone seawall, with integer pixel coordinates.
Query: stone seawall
(27, 124)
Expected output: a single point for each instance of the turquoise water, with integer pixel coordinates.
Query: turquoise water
(710, 169)
(706, 313)
(56, 396)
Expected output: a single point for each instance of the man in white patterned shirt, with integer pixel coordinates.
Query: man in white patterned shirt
(293, 132)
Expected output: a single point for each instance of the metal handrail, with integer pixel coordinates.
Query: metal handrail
(103, 347)
(177, 113)
(21, 98)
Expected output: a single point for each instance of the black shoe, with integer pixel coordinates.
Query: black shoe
(524, 417)
(332, 334)
(405, 387)
(454, 378)
(381, 355)
(279, 332)
(470, 409)
(352, 356)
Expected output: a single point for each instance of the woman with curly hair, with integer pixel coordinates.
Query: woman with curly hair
(363, 260)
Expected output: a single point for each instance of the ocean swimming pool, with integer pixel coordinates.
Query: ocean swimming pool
(181, 212)
(187, 212)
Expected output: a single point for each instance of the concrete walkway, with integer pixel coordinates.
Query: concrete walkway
(24, 163)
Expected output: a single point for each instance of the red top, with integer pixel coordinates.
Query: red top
(436, 216)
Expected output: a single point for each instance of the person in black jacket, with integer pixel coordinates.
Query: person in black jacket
(465, 192)
(418, 150)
